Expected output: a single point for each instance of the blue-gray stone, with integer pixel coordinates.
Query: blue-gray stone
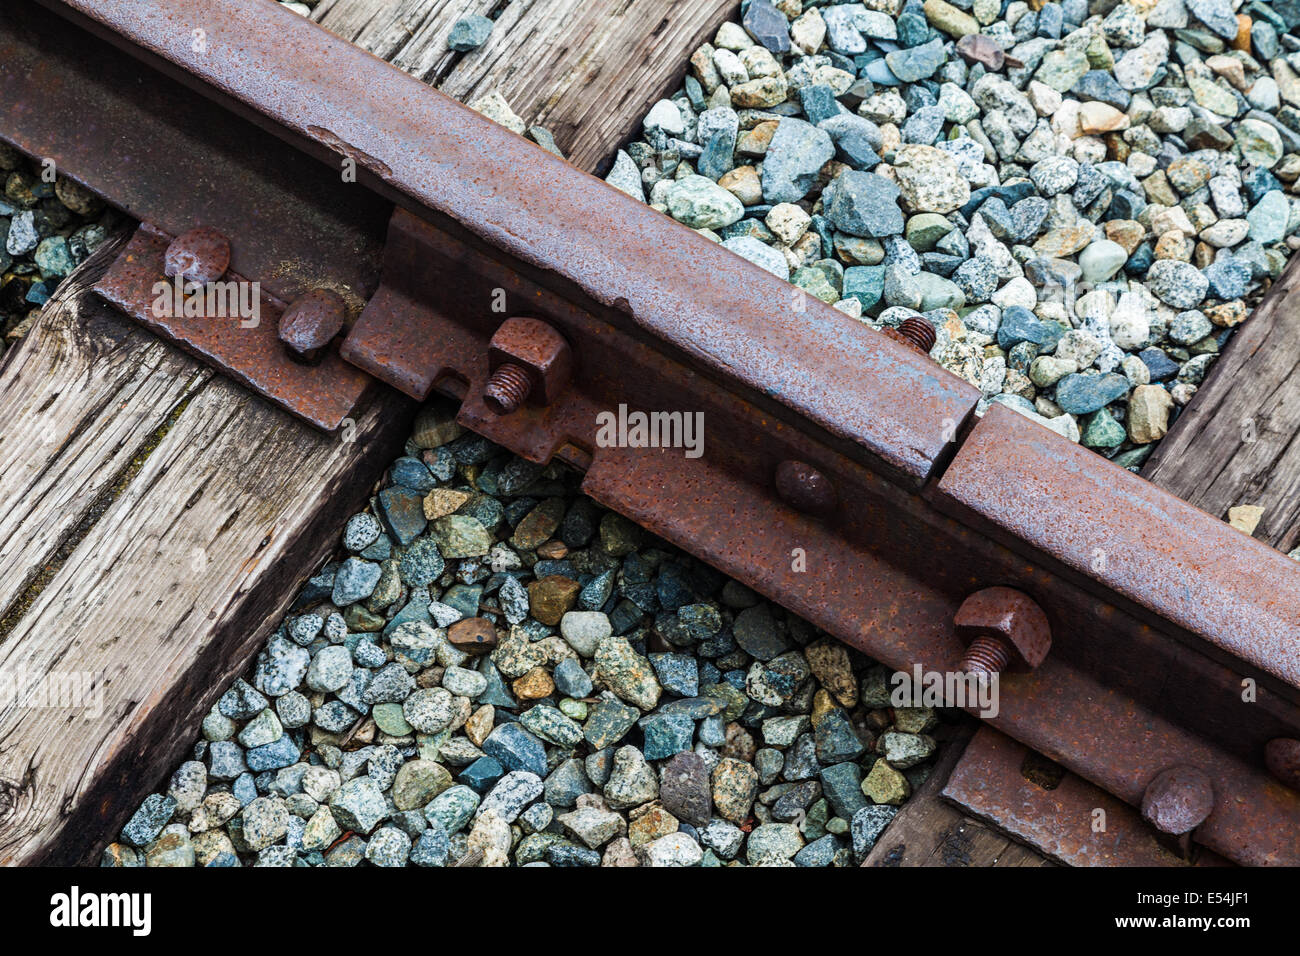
(412, 473)
(842, 786)
(1021, 325)
(421, 564)
(280, 753)
(570, 854)
(516, 749)
(355, 581)
(609, 722)
(795, 156)
(432, 847)
(836, 739)
(867, 825)
(402, 511)
(667, 734)
(819, 103)
(1229, 277)
(1080, 394)
(1102, 86)
(917, 63)
(482, 774)
(923, 126)
(768, 25)
(566, 783)
(864, 204)
(469, 33)
(147, 822)
(678, 673)
(241, 701)
(571, 680)
(820, 852)
(1268, 218)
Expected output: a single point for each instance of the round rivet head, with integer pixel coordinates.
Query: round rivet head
(310, 323)
(1282, 757)
(201, 255)
(1178, 800)
(804, 488)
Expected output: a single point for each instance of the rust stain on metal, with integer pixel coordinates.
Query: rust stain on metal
(558, 224)
(246, 349)
(1282, 757)
(1128, 539)
(1059, 821)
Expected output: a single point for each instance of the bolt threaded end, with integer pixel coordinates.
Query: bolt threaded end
(507, 388)
(919, 333)
(986, 656)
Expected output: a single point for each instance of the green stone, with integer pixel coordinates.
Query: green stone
(1260, 143)
(389, 719)
(938, 292)
(864, 283)
(926, 229)
(460, 536)
(813, 281)
(1212, 96)
(1062, 69)
(1102, 431)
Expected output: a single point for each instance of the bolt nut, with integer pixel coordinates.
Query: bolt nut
(804, 488)
(1282, 757)
(1178, 800)
(1004, 630)
(310, 323)
(536, 350)
(201, 255)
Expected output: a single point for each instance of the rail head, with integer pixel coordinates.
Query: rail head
(579, 235)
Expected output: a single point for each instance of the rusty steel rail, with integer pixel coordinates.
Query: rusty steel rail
(825, 440)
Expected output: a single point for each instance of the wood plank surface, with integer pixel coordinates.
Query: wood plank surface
(1238, 441)
(587, 70)
(928, 831)
(158, 537)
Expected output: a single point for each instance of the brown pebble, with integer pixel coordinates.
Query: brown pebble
(473, 635)
(534, 685)
(1242, 40)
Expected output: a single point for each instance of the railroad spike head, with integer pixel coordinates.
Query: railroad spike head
(1178, 799)
(805, 489)
(1282, 758)
(1004, 629)
(200, 255)
(528, 361)
(310, 323)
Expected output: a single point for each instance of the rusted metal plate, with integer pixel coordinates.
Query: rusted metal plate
(166, 155)
(1059, 814)
(1128, 539)
(325, 395)
(574, 234)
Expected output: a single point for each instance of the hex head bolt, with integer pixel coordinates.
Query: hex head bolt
(310, 324)
(804, 488)
(1003, 629)
(529, 361)
(1282, 758)
(1176, 802)
(200, 255)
